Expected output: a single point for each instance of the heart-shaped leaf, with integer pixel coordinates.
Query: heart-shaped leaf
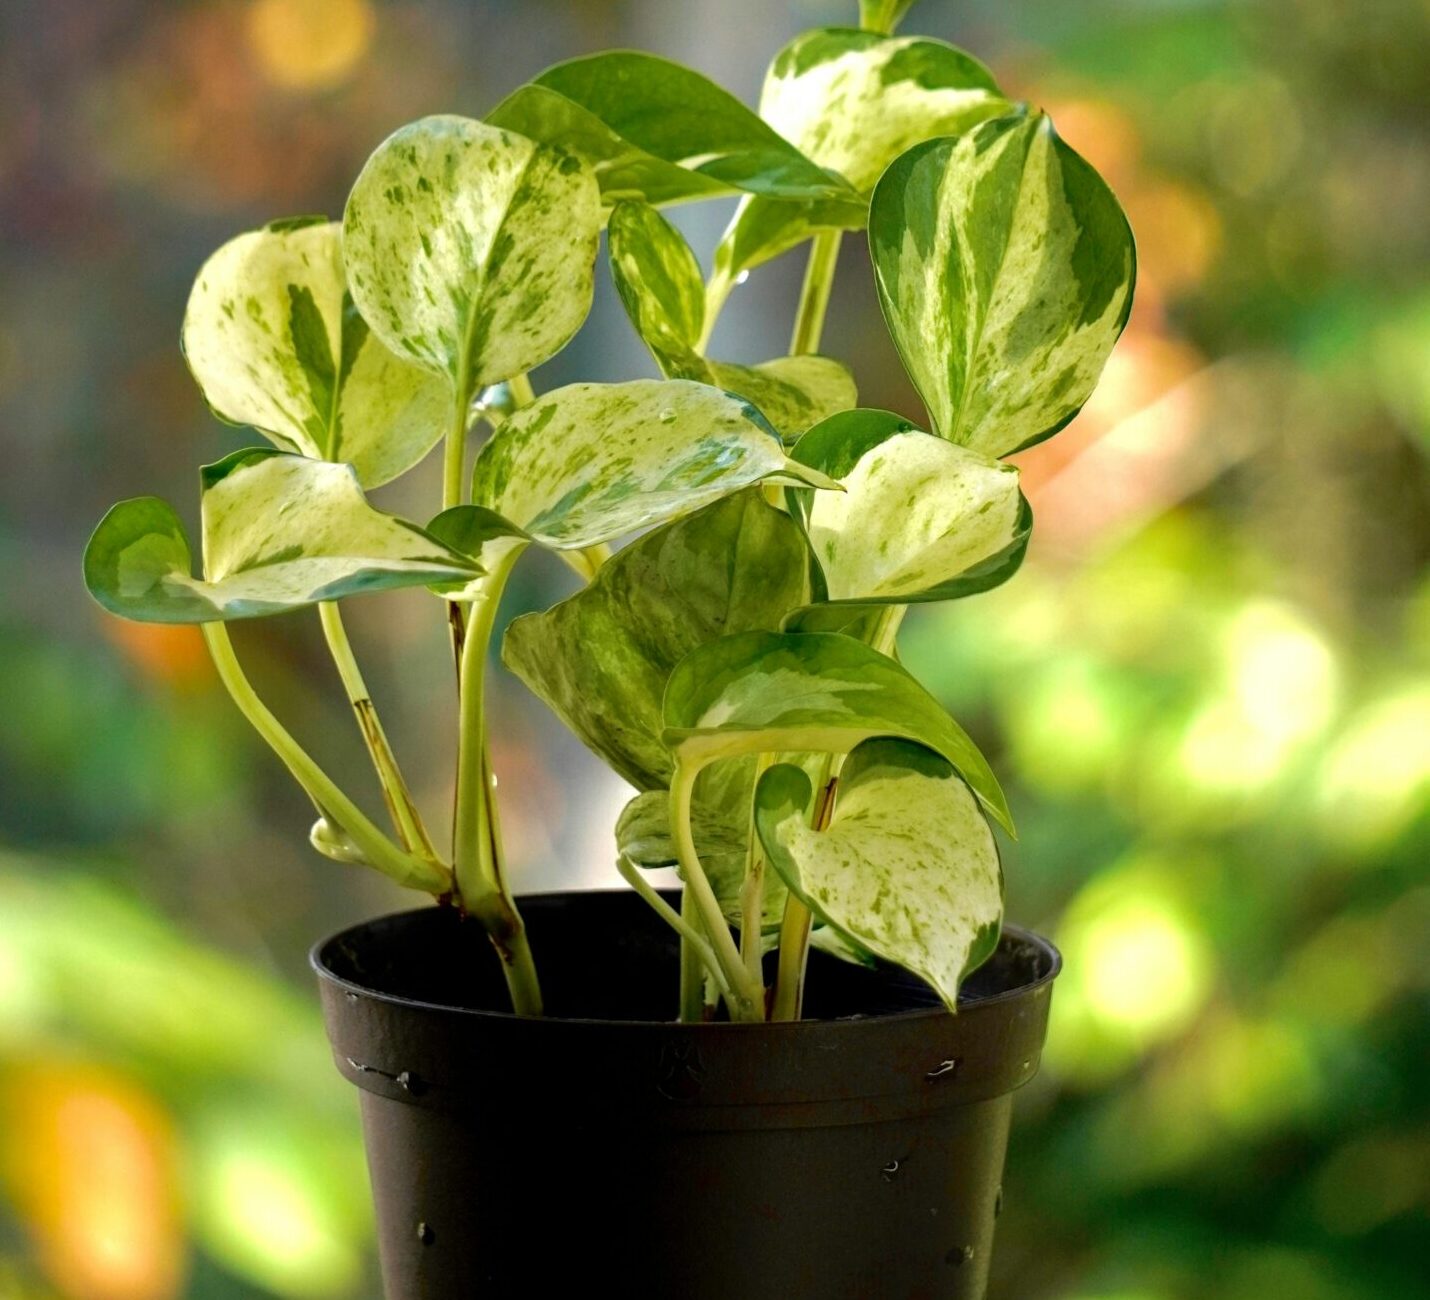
(1005, 268)
(471, 249)
(919, 519)
(659, 283)
(279, 532)
(274, 340)
(601, 658)
(908, 867)
(655, 130)
(763, 692)
(854, 101)
(591, 462)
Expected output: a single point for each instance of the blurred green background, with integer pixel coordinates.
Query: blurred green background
(1209, 688)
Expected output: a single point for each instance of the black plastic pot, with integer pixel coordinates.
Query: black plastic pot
(859, 1154)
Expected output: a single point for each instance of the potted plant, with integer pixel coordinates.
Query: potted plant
(640, 1087)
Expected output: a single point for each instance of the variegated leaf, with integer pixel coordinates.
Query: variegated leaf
(908, 867)
(655, 130)
(274, 340)
(854, 101)
(601, 658)
(919, 519)
(792, 393)
(659, 283)
(472, 250)
(280, 532)
(1005, 268)
(721, 839)
(763, 692)
(591, 462)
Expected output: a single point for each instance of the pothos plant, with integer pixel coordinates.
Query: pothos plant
(736, 662)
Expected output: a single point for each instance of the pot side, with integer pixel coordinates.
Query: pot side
(856, 1154)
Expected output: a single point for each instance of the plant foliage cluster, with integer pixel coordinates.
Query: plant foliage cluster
(736, 662)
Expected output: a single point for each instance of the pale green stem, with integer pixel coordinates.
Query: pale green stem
(814, 296)
(796, 924)
(406, 868)
(588, 561)
(752, 892)
(693, 962)
(454, 454)
(395, 792)
(522, 393)
(689, 935)
(482, 888)
(747, 998)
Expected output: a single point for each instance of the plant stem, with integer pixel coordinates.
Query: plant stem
(395, 792)
(814, 296)
(482, 889)
(716, 292)
(406, 868)
(747, 1000)
(587, 562)
(752, 891)
(693, 961)
(689, 936)
(454, 454)
(522, 393)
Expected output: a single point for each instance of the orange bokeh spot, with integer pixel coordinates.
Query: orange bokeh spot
(91, 1164)
(168, 652)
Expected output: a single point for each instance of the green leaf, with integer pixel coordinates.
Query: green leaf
(920, 519)
(762, 692)
(854, 101)
(280, 532)
(591, 462)
(1005, 268)
(792, 393)
(655, 130)
(472, 250)
(659, 283)
(601, 658)
(908, 867)
(274, 340)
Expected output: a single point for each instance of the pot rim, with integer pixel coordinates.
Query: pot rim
(1052, 958)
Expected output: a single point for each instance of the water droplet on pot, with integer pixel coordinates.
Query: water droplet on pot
(425, 1234)
(667, 416)
(959, 1256)
(351, 997)
(890, 1170)
(943, 1070)
(742, 277)
(411, 1083)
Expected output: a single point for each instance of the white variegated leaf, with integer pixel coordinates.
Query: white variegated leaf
(280, 532)
(1005, 269)
(591, 462)
(907, 869)
(854, 101)
(274, 340)
(920, 518)
(762, 692)
(659, 283)
(471, 249)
